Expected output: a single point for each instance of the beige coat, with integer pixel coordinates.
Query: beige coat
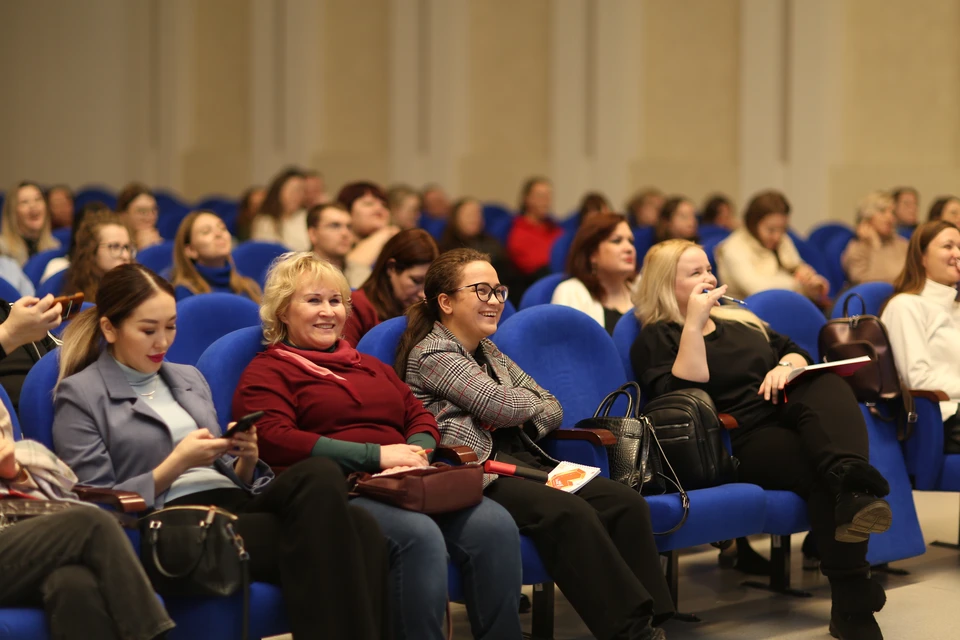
(864, 262)
(747, 267)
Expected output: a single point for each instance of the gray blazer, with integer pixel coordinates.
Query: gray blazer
(111, 437)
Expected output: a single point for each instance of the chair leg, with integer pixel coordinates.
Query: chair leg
(949, 545)
(779, 570)
(671, 568)
(541, 627)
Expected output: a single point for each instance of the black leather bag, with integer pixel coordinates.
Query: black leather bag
(690, 433)
(195, 550)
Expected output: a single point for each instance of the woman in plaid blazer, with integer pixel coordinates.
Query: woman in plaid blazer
(598, 543)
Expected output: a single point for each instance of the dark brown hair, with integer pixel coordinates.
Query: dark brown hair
(525, 192)
(669, 208)
(592, 232)
(409, 248)
(913, 277)
(711, 208)
(762, 205)
(936, 209)
(245, 212)
(316, 212)
(82, 274)
(592, 202)
(271, 202)
(451, 237)
(443, 276)
(899, 191)
(130, 193)
(352, 192)
(185, 270)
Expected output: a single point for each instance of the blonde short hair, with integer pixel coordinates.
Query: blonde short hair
(283, 278)
(872, 204)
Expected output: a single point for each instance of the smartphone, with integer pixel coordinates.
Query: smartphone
(70, 305)
(243, 424)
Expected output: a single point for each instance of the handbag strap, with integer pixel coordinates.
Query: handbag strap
(675, 481)
(154, 539)
(630, 389)
(244, 558)
(846, 303)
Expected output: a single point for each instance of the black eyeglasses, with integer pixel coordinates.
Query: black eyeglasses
(115, 249)
(484, 291)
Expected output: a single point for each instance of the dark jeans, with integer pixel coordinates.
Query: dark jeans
(329, 557)
(81, 567)
(819, 427)
(598, 546)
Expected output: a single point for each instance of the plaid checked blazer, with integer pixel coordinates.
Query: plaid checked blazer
(467, 403)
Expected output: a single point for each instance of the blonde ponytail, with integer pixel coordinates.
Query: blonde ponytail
(81, 344)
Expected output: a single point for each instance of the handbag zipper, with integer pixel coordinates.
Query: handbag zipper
(191, 507)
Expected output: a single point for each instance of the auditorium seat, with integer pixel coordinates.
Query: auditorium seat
(252, 258)
(92, 193)
(158, 257)
(560, 250)
(821, 234)
(874, 294)
(205, 318)
(172, 211)
(541, 291)
(497, 221)
(643, 239)
(790, 314)
(54, 284)
(34, 267)
(8, 292)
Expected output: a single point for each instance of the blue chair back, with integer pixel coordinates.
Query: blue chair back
(203, 319)
(63, 235)
(497, 221)
(712, 231)
(643, 239)
(541, 291)
(94, 193)
(567, 352)
(226, 208)
(710, 248)
(560, 250)
(223, 363)
(34, 267)
(36, 399)
(381, 341)
(832, 251)
(54, 284)
(790, 314)
(874, 294)
(905, 233)
(13, 414)
(570, 224)
(8, 292)
(172, 212)
(58, 331)
(508, 311)
(823, 233)
(624, 335)
(253, 258)
(433, 226)
(158, 257)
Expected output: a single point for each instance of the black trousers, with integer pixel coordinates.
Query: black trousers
(818, 428)
(598, 546)
(80, 566)
(329, 558)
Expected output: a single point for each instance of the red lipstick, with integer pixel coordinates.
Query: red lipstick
(157, 358)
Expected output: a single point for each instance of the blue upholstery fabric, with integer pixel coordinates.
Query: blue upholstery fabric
(226, 208)
(382, 340)
(222, 364)
(253, 258)
(94, 193)
(874, 294)
(541, 291)
(23, 623)
(433, 226)
(217, 618)
(624, 335)
(172, 212)
(786, 513)
(497, 221)
(823, 233)
(8, 292)
(710, 247)
(950, 473)
(158, 257)
(14, 420)
(924, 450)
(790, 314)
(711, 232)
(560, 250)
(508, 311)
(63, 235)
(53, 285)
(643, 239)
(36, 399)
(203, 319)
(718, 513)
(34, 267)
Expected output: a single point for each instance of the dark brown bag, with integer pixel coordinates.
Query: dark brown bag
(876, 383)
(432, 490)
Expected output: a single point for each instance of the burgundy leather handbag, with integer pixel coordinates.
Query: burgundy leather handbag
(439, 488)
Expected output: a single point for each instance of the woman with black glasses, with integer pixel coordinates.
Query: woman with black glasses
(103, 242)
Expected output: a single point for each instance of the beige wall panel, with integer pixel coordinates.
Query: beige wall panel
(509, 88)
(688, 177)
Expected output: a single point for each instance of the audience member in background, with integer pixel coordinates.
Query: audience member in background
(395, 283)
(404, 206)
(760, 255)
(11, 272)
(592, 203)
(643, 209)
(314, 189)
(596, 544)
(126, 419)
(906, 205)
(103, 242)
(324, 400)
(878, 252)
(60, 205)
(250, 202)
(202, 261)
(330, 228)
(78, 563)
(137, 206)
(25, 227)
(945, 208)
(816, 445)
(466, 231)
(367, 204)
(59, 264)
(718, 210)
(603, 266)
(24, 339)
(533, 232)
(282, 218)
(923, 319)
(436, 203)
(677, 220)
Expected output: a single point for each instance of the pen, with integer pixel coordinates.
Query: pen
(425, 452)
(729, 298)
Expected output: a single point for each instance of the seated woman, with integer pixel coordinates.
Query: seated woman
(603, 263)
(945, 208)
(250, 201)
(923, 319)
(78, 563)
(533, 232)
(677, 219)
(138, 208)
(815, 446)
(103, 242)
(25, 225)
(597, 544)
(202, 262)
(24, 339)
(404, 206)
(760, 255)
(592, 203)
(878, 252)
(718, 211)
(368, 207)
(126, 419)
(282, 218)
(906, 204)
(643, 209)
(59, 264)
(395, 283)
(60, 204)
(326, 401)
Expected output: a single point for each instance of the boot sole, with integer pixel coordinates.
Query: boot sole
(876, 517)
(834, 632)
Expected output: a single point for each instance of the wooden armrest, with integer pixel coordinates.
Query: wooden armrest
(599, 437)
(125, 501)
(728, 421)
(930, 394)
(456, 454)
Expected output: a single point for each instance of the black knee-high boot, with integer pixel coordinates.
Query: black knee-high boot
(856, 597)
(861, 509)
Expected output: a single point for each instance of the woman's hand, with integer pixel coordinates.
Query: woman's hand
(402, 455)
(244, 446)
(774, 382)
(29, 320)
(8, 461)
(200, 449)
(867, 233)
(702, 300)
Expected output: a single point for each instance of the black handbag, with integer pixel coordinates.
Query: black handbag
(690, 433)
(195, 550)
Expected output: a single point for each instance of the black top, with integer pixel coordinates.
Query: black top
(738, 358)
(610, 319)
(16, 364)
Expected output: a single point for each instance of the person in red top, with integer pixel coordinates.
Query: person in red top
(323, 398)
(395, 283)
(533, 233)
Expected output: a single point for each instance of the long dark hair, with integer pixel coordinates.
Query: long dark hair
(409, 248)
(592, 232)
(82, 274)
(936, 209)
(913, 276)
(443, 276)
(271, 202)
(451, 237)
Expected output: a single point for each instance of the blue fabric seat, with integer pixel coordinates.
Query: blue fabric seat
(63, 235)
(172, 211)
(253, 258)
(23, 623)
(203, 319)
(158, 257)
(8, 292)
(497, 221)
(560, 250)
(94, 193)
(822, 233)
(790, 314)
(643, 239)
(54, 284)
(58, 331)
(435, 227)
(34, 267)
(874, 294)
(541, 291)
(226, 208)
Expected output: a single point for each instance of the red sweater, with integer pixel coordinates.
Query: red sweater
(363, 317)
(359, 400)
(529, 243)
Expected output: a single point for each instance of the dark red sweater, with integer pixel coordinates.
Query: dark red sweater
(369, 405)
(529, 243)
(363, 317)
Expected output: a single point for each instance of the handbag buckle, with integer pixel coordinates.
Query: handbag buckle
(155, 524)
